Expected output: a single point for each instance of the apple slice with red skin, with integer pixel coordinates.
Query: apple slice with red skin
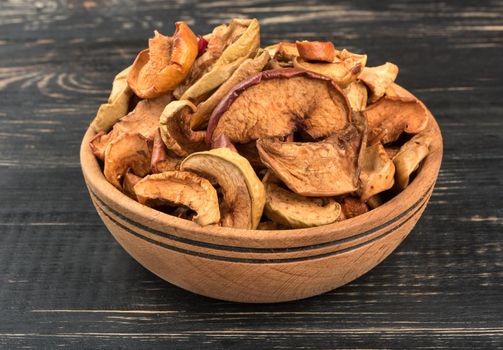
(278, 102)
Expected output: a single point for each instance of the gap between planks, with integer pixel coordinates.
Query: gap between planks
(212, 313)
(481, 331)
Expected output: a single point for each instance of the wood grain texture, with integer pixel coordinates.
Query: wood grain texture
(65, 282)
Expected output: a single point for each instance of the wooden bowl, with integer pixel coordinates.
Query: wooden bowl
(259, 266)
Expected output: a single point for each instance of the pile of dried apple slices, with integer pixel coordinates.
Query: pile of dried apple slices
(217, 130)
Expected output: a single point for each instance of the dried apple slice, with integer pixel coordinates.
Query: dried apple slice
(243, 43)
(274, 64)
(162, 160)
(181, 188)
(379, 79)
(343, 71)
(243, 192)
(144, 119)
(284, 51)
(277, 103)
(216, 45)
(165, 64)
(409, 158)
(271, 49)
(390, 116)
(352, 207)
(127, 152)
(316, 50)
(377, 172)
(158, 152)
(128, 183)
(211, 80)
(223, 141)
(176, 132)
(99, 143)
(316, 169)
(356, 93)
(294, 211)
(169, 163)
(117, 106)
(249, 67)
(202, 44)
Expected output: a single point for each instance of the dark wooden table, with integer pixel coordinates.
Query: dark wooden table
(64, 281)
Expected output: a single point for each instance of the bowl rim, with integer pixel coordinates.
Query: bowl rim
(392, 210)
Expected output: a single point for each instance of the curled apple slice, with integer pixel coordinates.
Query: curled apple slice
(294, 211)
(316, 169)
(127, 152)
(176, 132)
(277, 103)
(410, 156)
(345, 68)
(144, 119)
(128, 183)
(162, 160)
(316, 50)
(240, 42)
(243, 192)
(117, 106)
(379, 79)
(377, 172)
(389, 117)
(181, 188)
(248, 68)
(357, 95)
(284, 51)
(165, 64)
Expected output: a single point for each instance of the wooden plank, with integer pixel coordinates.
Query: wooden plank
(64, 281)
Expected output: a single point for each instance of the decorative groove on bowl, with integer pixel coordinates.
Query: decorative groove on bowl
(120, 219)
(258, 283)
(172, 242)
